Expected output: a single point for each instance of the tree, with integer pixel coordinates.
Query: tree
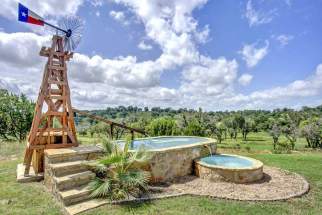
(291, 133)
(194, 128)
(275, 132)
(312, 131)
(163, 126)
(232, 126)
(218, 129)
(16, 115)
(248, 126)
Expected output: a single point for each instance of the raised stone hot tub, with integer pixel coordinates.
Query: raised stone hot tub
(173, 156)
(227, 167)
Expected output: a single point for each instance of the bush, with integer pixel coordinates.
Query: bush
(194, 128)
(164, 126)
(118, 173)
(283, 148)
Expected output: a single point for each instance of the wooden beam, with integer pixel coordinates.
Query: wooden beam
(109, 121)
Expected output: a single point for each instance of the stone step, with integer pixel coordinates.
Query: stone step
(74, 180)
(84, 206)
(67, 168)
(75, 195)
(72, 154)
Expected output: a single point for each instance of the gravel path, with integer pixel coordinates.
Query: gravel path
(277, 184)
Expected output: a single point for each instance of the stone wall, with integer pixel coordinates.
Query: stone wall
(174, 162)
(236, 175)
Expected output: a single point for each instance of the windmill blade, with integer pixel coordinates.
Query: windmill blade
(74, 27)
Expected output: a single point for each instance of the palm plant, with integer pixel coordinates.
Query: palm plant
(118, 173)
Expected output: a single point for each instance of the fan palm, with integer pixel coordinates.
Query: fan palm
(118, 173)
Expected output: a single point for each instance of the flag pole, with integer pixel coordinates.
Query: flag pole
(57, 28)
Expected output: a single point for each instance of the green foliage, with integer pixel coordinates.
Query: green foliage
(312, 131)
(275, 132)
(16, 113)
(163, 126)
(194, 128)
(285, 123)
(118, 173)
(283, 147)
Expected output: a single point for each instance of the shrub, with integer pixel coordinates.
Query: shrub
(283, 148)
(118, 173)
(163, 126)
(194, 128)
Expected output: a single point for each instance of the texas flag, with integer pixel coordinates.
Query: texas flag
(26, 15)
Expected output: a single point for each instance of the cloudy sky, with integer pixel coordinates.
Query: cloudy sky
(216, 54)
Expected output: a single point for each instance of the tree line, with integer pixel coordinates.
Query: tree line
(16, 114)
(292, 124)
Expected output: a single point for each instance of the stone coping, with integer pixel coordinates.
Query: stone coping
(52, 153)
(256, 164)
(173, 148)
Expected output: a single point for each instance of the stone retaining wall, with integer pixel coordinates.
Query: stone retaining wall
(236, 175)
(170, 163)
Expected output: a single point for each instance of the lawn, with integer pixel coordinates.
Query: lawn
(31, 198)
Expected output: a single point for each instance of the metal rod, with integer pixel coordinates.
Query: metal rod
(53, 26)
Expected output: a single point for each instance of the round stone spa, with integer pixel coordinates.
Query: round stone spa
(173, 156)
(234, 168)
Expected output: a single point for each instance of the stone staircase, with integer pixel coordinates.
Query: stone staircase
(67, 176)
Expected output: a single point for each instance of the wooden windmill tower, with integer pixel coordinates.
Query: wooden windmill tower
(55, 127)
(53, 123)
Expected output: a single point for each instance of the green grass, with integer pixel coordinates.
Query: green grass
(32, 198)
(260, 141)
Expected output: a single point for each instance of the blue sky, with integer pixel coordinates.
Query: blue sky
(219, 54)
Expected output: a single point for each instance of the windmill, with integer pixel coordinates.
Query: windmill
(53, 124)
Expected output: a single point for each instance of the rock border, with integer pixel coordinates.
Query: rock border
(305, 190)
(171, 191)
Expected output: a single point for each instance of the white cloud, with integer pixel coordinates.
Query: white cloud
(97, 3)
(9, 85)
(97, 13)
(245, 79)
(18, 49)
(294, 92)
(209, 78)
(43, 8)
(284, 39)
(253, 54)
(97, 81)
(257, 17)
(202, 36)
(142, 45)
(119, 16)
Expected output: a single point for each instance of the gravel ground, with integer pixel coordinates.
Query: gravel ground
(277, 184)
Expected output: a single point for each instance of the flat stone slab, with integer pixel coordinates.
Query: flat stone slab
(52, 153)
(84, 206)
(32, 176)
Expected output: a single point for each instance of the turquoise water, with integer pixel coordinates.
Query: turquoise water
(227, 161)
(164, 142)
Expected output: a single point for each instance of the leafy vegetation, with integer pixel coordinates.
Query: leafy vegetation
(118, 173)
(287, 123)
(16, 113)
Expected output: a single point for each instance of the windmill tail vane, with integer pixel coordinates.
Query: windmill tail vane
(70, 28)
(27, 15)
